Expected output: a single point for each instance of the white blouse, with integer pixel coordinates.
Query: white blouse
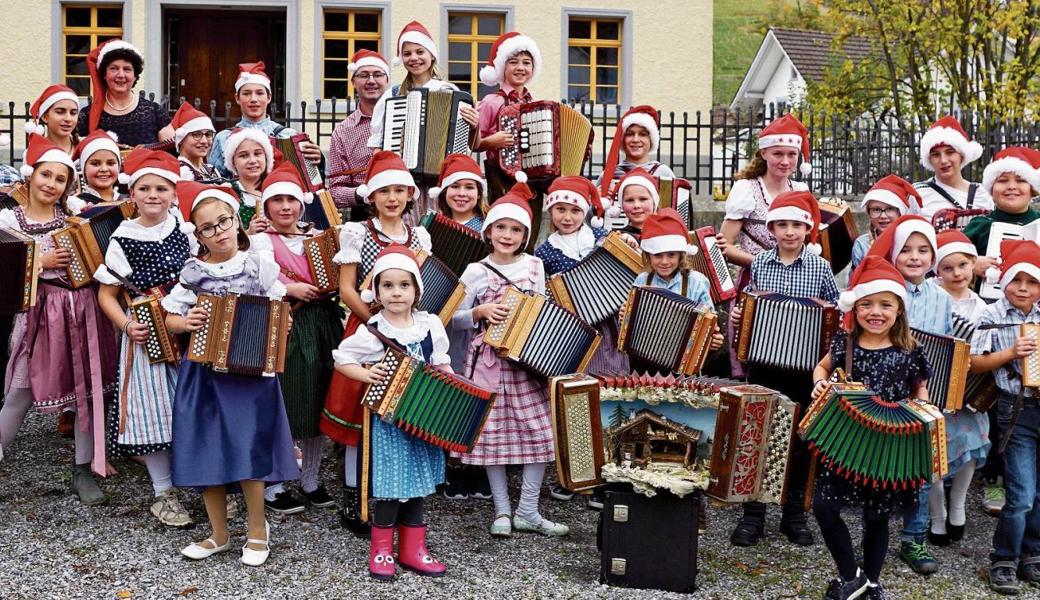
(741, 200)
(115, 256)
(476, 278)
(180, 299)
(352, 237)
(363, 347)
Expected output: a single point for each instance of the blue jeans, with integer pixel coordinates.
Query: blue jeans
(915, 520)
(1018, 529)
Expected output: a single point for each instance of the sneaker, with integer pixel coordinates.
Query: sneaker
(285, 503)
(1029, 570)
(319, 498)
(875, 592)
(453, 491)
(558, 492)
(916, 554)
(1002, 578)
(168, 509)
(477, 484)
(850, 590)
(993, 499)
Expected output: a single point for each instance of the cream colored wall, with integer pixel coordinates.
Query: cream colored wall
(26, 46)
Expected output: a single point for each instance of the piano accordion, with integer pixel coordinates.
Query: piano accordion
(424, 126)
(955, 218)
(162, 346)
(577, 431)
(438, 407)
(998, 232)
(549, 139)
(454, 243)
(751, 448)
(1031, 364)
(781, 332)
(838, 232)
(442, 291)
(244, 335)
(319, 250)
(86, 237)
(948, 357)
(542, 336)
(596, 287)
(665, 330)
(18, 279)
(710, 262)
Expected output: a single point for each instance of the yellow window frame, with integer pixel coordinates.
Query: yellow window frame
(351, 37)
(593, 42)
(92, 30)
(474, 40)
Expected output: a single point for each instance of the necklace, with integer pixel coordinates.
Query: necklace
(108, 101)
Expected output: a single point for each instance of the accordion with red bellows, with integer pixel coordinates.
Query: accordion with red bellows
(549, 139)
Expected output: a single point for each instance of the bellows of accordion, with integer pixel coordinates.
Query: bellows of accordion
(838, 232)
(454, 243)
(244, 334)
(21, 256)
(711, 263)
(290, 149)
(949, 359)
(442, 291)
(549, 139)
(441, 408)
(86, 238)
(577, 431)
(785, 333)
(1031, 364)
(596, 287)
(319, 250)
(161, 346)
(542, 336)
(426, 125)
(665, 329)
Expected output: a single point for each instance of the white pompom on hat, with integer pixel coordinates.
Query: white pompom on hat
(897, 192)
(873, 276)
(790, 132)
(947, 131)
(285, 179)
(455, 168)
(386, 168)
(575, 190)
(800, 206)
(505, 47)
(191, 193)
(95, 142)
(513, 205)
(890, 243)
(41, 150)
(50, 96)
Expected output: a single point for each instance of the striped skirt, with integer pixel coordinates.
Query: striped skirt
(142, 416)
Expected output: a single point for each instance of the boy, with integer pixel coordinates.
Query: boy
(1012, 178)
(945, 150)
(890, 198)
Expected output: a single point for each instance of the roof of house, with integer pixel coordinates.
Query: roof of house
(661, 421)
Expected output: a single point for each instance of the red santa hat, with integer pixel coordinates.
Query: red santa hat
(50, 96)
(513, 205)
(386, 168)
(142, 161)
(394, 256)
(1017, 256)
(952, 241)
(505, 47)
(638, 177)
(367, 58)
(1019, 160)
(241, 134)
(191, 193)
(947, 131)
(189, 119)
(895, 191)
(252, 73)
(800, 206)
(890, 243)
(98, 140)
(577, 191)
(455, 168)
(285, 179)
(94, 60)
(416, 33)
(787, 131)
(41, 150)
(645, 116)
(873, 276)
(665, 231)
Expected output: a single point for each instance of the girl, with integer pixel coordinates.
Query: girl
(115, 66)
(885, 359)
(98, 159)
(638, 197)
(193, 134)
(73, 349)
(956, 259)
(405, 469)
(518, 430)
(144, 253)
(945, 150)
(890, 198)
(638, 137)
(230, 429)
(317, 328)
(54, 116)
(248, 155)
(389, 192)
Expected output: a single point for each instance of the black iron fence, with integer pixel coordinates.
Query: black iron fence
(708, 148)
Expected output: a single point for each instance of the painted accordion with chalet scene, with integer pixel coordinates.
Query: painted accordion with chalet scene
(955, 218)
(424, 126)
(244, 335)
(550, 139)
(838, 232)
(454, 243)
(596, 287)
(86, 237)
(786, 333)
(665, 329)
(319, 250)
(710, 262)
(161, 346)
(577, 431)
(21, 255)
(1031, 364)
(949, 358)
(442, 290)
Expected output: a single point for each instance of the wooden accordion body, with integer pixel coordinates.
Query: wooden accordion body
(426, 125)
(162, 346)
(665, 329)
(86, 237)
(244, 335)
(1031, 364)
(290, 149)
(838, 232)
(710, 262)
(577, 431)
(442, 291)
(20, 255)
(785, 333)
(596, 287)
(949, 358)
(454, 243)
(319, 250)
(549, 139)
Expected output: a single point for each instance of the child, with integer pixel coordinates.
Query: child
(886, 359)
(518, 429)
(317, 329)
(792, 268)
(230, 429)
(71, 345)
(389, 192)
(405, 469)
(461, 193)
(248, 155)
(638, 137)
(54, 116)
(193, 133)
(956, 259)
(144, 253)
(945, 150)
(890, 198)
(98, 158)
(637, 198)
(998, 346)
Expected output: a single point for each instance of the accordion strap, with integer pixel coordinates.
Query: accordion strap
(971, 193)
(377, 234)
(491, 268)
(126, 283)
(848, 357)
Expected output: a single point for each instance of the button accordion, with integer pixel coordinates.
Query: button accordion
(838, 232)
(169, 145)
(319, 250)
(290, 149)
(244, 334)
(424, 126)
(577, 431)
(453, 242)
(18, 279)
(86, 237)
(786, 333)
(596, 287)
(692, 390)
(442, 290)
(161, 346)
(955, 218)
(665, 329)
(980, 389)
(710, 262)
(751, 448)
(438, 407)
(542, 336)
(549, 139)
(1031, 364)
(948, 357)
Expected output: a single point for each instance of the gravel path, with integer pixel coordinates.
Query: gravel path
(52, 547)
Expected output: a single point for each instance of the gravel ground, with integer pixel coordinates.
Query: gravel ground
(52, 547)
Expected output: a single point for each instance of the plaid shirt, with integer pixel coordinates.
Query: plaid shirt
(9, 175)
(809, 276)
(1001, 312)
(929, 308)
(349, 156)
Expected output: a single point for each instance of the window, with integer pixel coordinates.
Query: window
(470, 36)
(83, 27)
(345, 32)
(594, 60)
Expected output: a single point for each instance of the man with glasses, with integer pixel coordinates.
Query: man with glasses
(348, 151)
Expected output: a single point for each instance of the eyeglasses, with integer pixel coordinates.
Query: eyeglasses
(889, 211)
(226, 222)
(374, 76)
(200, 135)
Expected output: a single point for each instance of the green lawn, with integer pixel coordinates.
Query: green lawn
(737, 37)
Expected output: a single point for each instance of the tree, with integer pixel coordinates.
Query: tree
(618, 416)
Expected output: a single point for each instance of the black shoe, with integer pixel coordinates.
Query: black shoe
(747, 533)
(557, 492)
(875, 592)
(319, 498)
(940, 539)
(453, 491)
(1029, 570)
(833, 589)
(350, 514)
(796, 529)
(477, 484)
(850, 590)
(956, 532)
(285, 503)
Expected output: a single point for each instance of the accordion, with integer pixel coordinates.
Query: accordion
(955, 218)
(751, 447)
(86, 238)
(692, 390)
(875, 443)
(424, 126)
(453, 242)
(322, 211)
(542, 336)
(319, 250)
(309, 172)
(169, 145)
(998, 232)
(162, 346)
(442, 290)
(1031, 364)
(786, 333)
(244, 334)
(665, 329)
(710, 262)
(838, 232)
(18, 279)
(577, 431)
(596, 287)
(443, 409)
(549, 139)
(948, 357)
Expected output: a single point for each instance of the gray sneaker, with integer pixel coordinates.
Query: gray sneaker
(1002, 578)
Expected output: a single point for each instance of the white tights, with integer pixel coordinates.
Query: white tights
(958, 495)
(17, 404)
(527, 507)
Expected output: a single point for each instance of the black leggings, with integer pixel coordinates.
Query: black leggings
(839, 541)
(394, 512)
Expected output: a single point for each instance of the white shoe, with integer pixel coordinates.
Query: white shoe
(255, 558)
(197, 551)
